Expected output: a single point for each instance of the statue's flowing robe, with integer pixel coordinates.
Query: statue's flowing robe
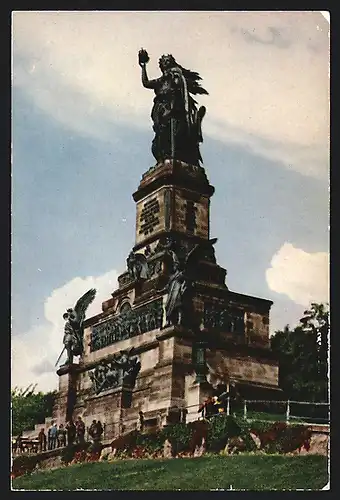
(177, 287)
(174, 117)
(73, 337)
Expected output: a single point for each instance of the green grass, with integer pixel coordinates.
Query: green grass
(243, 472)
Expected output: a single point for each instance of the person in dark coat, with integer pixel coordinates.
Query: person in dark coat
(42, 440)
(96, 430)
(61, 436)
(71, 432)
(100, 429)
(208, 408)
(80, 430)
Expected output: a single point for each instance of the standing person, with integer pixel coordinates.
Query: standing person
(53, 431)
(100, 430)
(140, 422)
(61, 436)
(19, 447)
(42, 440)
(184, 415)
(159, 420)
(80, 430)
(49, 436)
(71, 432)
(95, 430)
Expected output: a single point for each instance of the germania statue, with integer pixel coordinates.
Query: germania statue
(176, 118)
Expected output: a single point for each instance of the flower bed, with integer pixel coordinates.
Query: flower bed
(222, 432)
(218, 433)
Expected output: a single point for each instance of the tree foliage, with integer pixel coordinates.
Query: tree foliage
(30, 408)
(303, 356)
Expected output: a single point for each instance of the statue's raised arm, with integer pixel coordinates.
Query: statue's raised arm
(176, 118)
(143, 59)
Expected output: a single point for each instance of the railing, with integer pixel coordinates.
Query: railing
(302, 411)
(248, 409)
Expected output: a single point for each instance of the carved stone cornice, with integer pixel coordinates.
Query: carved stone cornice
(174, 172)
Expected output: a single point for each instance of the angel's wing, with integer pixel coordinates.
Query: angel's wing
(140, 257)
(198, 250)
(192, 255)
(83, 303)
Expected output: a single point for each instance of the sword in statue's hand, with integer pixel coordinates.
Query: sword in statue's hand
(62, 352)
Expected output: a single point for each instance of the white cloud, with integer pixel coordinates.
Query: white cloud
(302, 276)
(266, 73)
(35, 352)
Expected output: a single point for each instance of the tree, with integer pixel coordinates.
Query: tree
(30, 408)
(303, 356)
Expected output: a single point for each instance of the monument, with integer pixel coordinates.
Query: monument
(172, 330)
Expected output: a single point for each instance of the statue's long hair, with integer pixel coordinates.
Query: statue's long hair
(192, 77)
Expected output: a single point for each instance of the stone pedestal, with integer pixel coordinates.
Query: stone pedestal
(68, 392)
(172, 215)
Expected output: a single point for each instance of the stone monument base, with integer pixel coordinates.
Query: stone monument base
(167, 384)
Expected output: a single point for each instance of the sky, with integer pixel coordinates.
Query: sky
(81, 139)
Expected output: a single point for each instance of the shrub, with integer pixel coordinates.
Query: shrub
(69, 452)
(95, 448)
(125, 442)
(179, 436)
(292, 438)
(150, 442)
(221, 428)
(224, 427)
(282, 438)
(24, 464)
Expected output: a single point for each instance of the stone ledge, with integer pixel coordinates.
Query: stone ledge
(175, 331)
(175, 363)
(64, 369)
(177, 173)
(241, 350)
(164, 233)
(108, 392)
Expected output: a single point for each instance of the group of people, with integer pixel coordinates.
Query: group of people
(218, 403)
(96, 430)
(76, 431)
(57, 437)
(211, 406)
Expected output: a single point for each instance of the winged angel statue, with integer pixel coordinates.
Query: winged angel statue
(74, 330)
(179, 287)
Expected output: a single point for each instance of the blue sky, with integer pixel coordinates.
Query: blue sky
(81, 141)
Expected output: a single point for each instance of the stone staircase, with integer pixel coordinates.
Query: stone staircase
(33, 433)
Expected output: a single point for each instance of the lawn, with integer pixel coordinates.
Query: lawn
(241, 472)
